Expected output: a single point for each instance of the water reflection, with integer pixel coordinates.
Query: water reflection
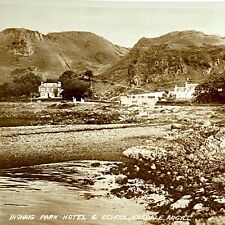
(78, 187)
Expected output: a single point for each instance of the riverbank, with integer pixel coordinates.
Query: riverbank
(173, 158)
(182, 174)
(57, 113)
(23, 146)
(46, 143)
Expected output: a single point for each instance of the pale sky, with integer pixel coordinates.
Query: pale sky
(122, 22)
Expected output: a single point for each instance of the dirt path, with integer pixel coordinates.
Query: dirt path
(21, 146)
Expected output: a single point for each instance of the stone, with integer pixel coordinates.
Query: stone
(87, 181)
(95, 164)
(191, 157)
(201, 190)
(203, 180)
(176, 126)
(121, 179)
(153, 167)
(180, 188)
(207, 123)
(181, 203)
(216, 220)
(220, 200)
(220, 179)
(222, 144)
(198, 206)
(136, 168)
(180, 223)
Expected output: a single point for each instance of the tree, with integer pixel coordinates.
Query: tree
(88, 75)
(4, 90)
(24, 82)
(51, 80)
(75, 88)
(67, 75)
(212, 89)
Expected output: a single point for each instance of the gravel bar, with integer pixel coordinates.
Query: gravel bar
(31, 145)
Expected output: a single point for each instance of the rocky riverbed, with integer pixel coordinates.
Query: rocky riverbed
(172, 157)
(183, 173)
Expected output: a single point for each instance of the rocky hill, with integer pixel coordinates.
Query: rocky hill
(160, 63)
(54, 53)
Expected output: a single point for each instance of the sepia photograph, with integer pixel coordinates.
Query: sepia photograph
(112, 112)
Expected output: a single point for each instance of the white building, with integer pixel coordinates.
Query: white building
(179, 93)
(141, 99)
(50, 90)
(186, 92)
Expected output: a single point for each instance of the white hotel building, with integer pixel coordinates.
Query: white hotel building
(179, 93)
(50, 90)
(141, 99)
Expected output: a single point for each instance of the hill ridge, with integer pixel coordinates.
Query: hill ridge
(53, 53)
(155, 64)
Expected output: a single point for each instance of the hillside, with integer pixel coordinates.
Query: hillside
(54, 53)
(160, 63)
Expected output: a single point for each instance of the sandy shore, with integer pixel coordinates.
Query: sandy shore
(22, 146)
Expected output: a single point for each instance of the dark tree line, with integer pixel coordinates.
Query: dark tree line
(75, 85)
(23, 83)
(212, 90)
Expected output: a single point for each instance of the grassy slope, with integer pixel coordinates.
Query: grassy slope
(55, 52)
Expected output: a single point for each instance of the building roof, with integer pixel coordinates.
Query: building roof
(50, 84)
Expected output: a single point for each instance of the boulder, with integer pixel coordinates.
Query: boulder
(198, 206)
(121, 179)
(181, 203)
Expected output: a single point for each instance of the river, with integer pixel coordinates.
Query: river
(75, 192)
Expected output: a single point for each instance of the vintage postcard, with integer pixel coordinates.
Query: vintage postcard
(112, 112)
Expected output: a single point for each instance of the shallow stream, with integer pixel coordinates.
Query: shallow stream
(76, 192)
